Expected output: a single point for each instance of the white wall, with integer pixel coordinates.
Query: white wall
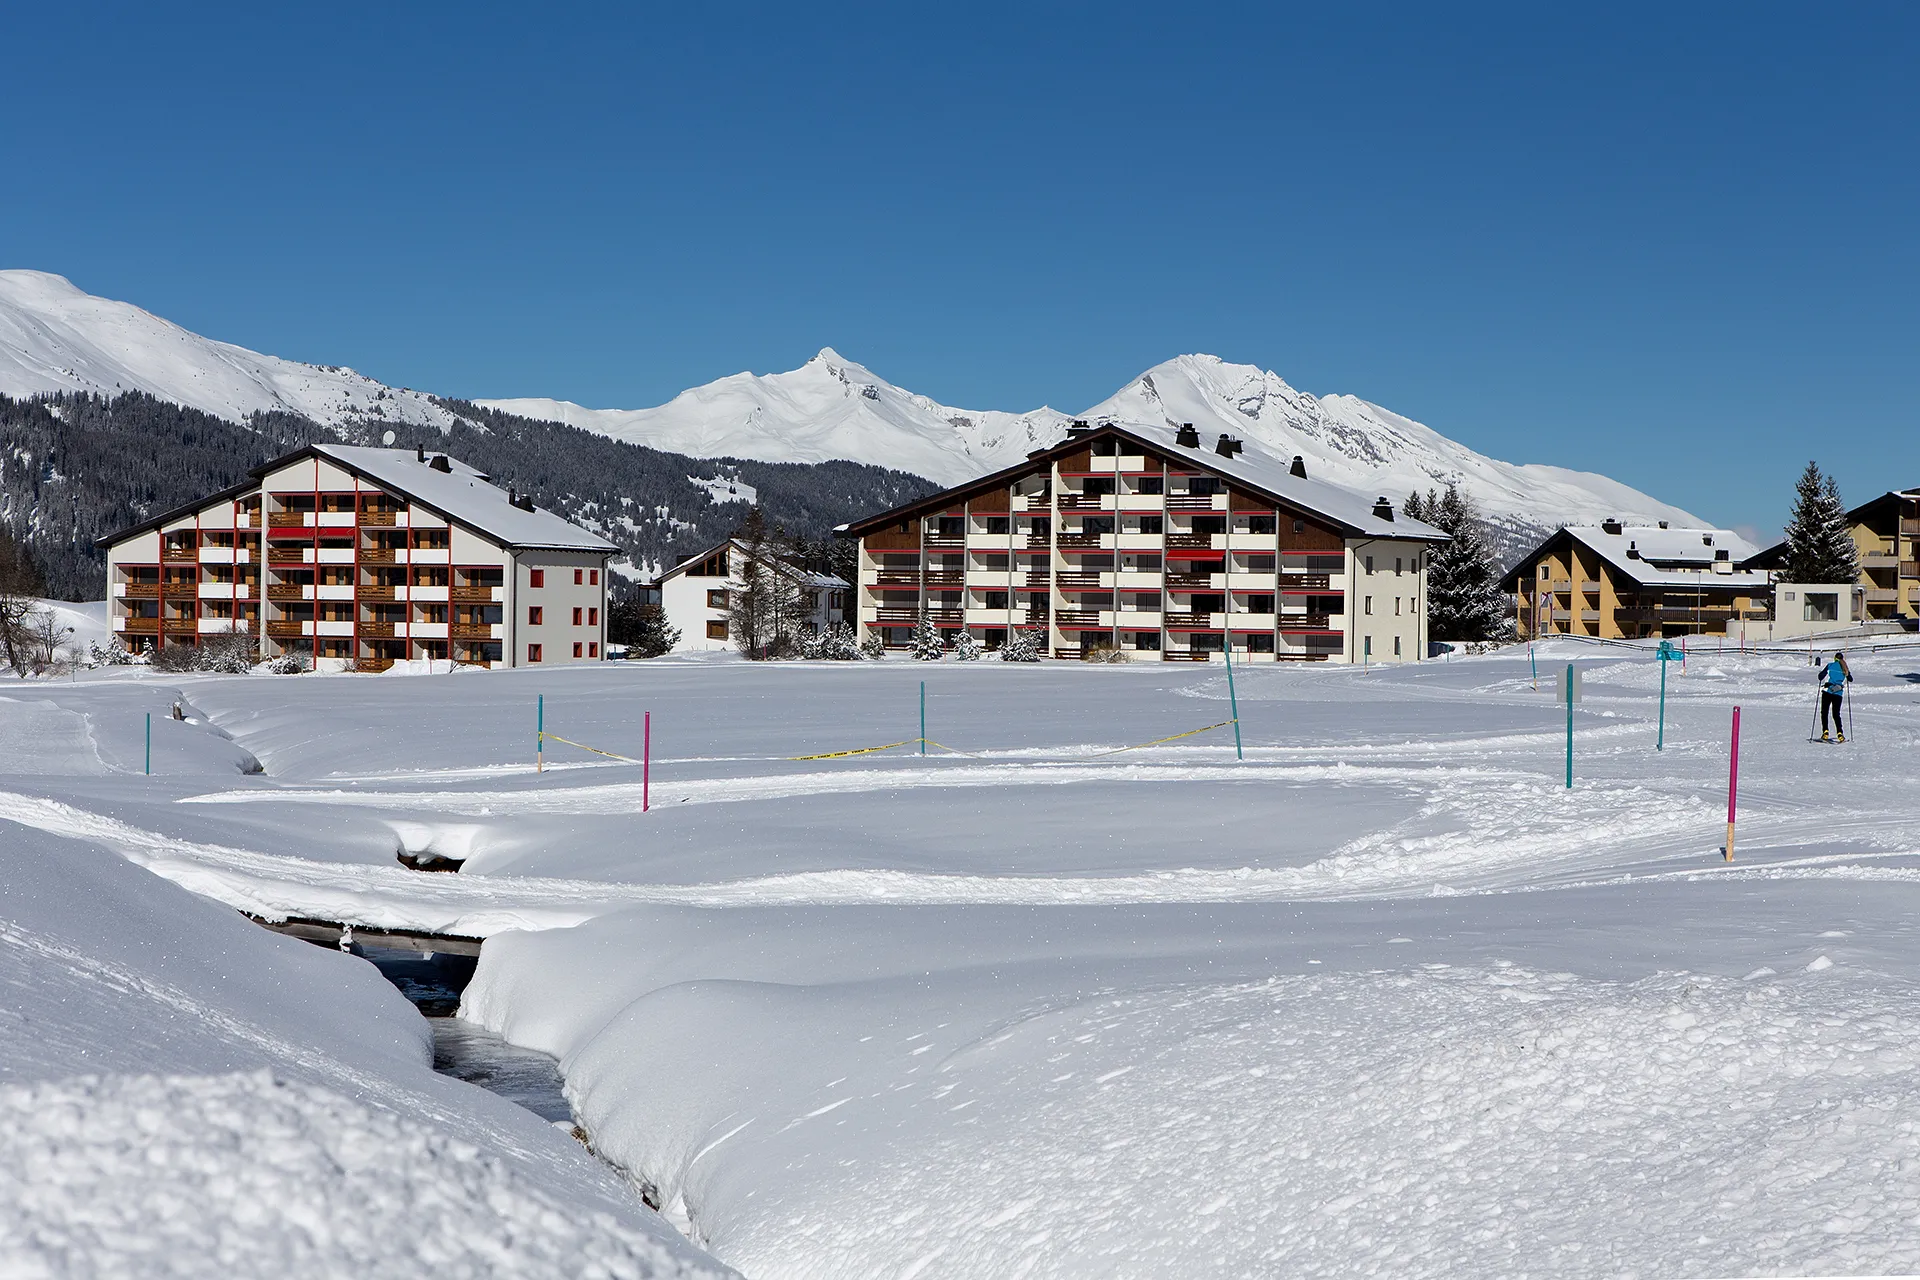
(1397, 588)
(557, 598)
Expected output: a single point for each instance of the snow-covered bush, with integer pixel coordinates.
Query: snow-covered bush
(965, 647)
(1022, 646)
(927, 646)
(836, 643)
(1101, 651)
(110, 655)
(296, 659)
(174, 659)
(230, 653)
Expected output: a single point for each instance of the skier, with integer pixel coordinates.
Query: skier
(1834, 678)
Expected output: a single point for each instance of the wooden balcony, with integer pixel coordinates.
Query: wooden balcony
(1305, 582)
(374, 630)
(377, 555)
(1203, 620)
(944, 577)
(286, 555)
(1189, 502)
(279, 629)
(884, 578)
(137, 590)
(1080, 541)
(139, 626)
(1039, 502)
(1038, 542)
(471, 631)
(179, 590)
(372, 519)
(180, 555)
(288, 591)
(1190, 582)
(1077, 618)
(951, 543)
(1189, 542)
(1186, 655)
(1080, 502)
(1076, 581)
(373, 591)
(1306, 622)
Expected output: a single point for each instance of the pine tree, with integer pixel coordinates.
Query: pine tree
(1464, 600)
(1022, 646)
(927, 645)
(765, 613)
(1820, 547)
(873, 648)
(965, 647)
(642, 628)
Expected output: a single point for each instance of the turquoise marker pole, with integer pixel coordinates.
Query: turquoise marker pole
(923, 717)
(1660, 744)
(1233, 701)
(149, 744)
(1534, 662)
(1569, 726)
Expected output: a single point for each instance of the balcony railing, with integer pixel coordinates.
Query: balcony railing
(1076, 581)
(953, 541)
(944, 577)
(138, 590)
(1189, 542)
(374, 518)
(474, 595)
(1080, 502)
(1306, 621)
(287, 519)
(288, 591)
(377, 555)
(1189, 502)
(282, 630)
(1080, 541)
(889, 578)
(1305, 582)
(375, 629)
(374, 591)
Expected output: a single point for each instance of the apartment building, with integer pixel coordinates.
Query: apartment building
(1615, 581)
(696, 596)
(369, 556)
(1142, 539)
(1886, 533)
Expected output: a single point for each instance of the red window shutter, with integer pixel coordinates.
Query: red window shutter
(536, 577)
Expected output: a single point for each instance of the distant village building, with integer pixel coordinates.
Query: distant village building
(1151, 542)
(696, 596)
(1886, 533)
(365, 555)
(1614, 581)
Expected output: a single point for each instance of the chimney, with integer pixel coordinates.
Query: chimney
(420, 453)
(523, 501)
(439, 463)
(1611, 525)
(1633, 551)
(1382, 508)
(1078, 427)
(1299, 467)
(1227, 446)
(1663, 524)
(1186, 437)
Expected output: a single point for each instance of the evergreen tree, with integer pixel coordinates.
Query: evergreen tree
(1820, 547)
(1022, 646)
(927, 645)
(765, 612)
(965, 647)
(873, 648)
(1464, 600)
(642, 628)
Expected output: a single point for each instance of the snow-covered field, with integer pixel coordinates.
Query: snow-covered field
(1384, 998)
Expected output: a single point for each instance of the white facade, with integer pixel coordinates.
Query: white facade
(696, 595)
(335, 550)
(1811, 609)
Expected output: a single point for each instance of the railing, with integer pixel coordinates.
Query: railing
(890, 578)
(183, 590)
(287, 630)
(1076, 581)
(1910, 568)
(137, 624)
(287, 519)
(1080, 541)
(377, 555)
(1189, 542)
(471, 631)
(180, 553)
(1039, 502)
(286, 555)
(1189, 581)
(1189, 502)
(1910, 528)
(1077, 618)
(937, 540)
(472, 595)
(373, 518)
(1188, 619)
(1186, 655)
(1080, 502)
(943, 577)
(1305, 621)
(1306, 582)
(378, 630)
(284, 591)
(138, 590)
(1038, 542)
(374, 591)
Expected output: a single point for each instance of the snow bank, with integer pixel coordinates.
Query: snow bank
(249, 1174)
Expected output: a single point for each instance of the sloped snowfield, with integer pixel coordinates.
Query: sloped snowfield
(1384, 998)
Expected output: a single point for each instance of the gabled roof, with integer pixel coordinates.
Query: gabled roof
(1653, 556)
(1774, 556)
(461, 494)
(1253, 469)
(801, 576)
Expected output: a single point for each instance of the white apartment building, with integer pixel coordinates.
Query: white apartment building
(1139, 538)
(364, 555)
(696, 596)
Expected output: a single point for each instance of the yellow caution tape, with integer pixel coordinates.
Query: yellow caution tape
(860, 751)
(1169, 738)
(554, 737)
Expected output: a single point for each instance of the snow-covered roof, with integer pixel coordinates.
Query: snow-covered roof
(462, 493)
(1667, 557)
(1255, 466)
(795, 573)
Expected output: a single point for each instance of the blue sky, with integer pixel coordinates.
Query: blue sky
(1672, 243)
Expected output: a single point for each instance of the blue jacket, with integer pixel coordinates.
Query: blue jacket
(1835, 678)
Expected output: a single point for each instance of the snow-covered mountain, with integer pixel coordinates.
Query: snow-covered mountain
(54, 337)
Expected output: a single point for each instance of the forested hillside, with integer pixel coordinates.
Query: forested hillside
(76, 466)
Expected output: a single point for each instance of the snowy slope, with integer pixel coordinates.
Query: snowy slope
(828, 408)
(55, 337)
(831, 407)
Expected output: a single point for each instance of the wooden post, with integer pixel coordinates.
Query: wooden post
(646, 759)
(1733, 782)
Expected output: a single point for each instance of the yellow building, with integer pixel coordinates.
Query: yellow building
(1613, 581)
(1886, 533)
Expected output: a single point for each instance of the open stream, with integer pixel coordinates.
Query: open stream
(434, 981)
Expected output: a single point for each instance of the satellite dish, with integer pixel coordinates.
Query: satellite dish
(387, 439)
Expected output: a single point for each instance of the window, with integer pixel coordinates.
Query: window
(1369, 606)
(593, 649)
(593, 577)
(536, 577)
(1096, 524)
(576, 649)
(593, 617)
(1148, 640)
(1262, 524)
(1396, 606)
(1369, 571)
(1152, 524)
(1260, 644)
(1396, 646)
(1259, 604)
(717, 629)
(717, 599)
(1413, 604)
(534, 614)
(579, 575)
(1396, 566)
(533, 653)
(1299, 526)
(999, 524)
(1150, 484)
(996, 600)
(1368, 649)
(577, 613)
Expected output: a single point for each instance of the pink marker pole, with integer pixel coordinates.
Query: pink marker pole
(646, 758)
(1733, 783)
